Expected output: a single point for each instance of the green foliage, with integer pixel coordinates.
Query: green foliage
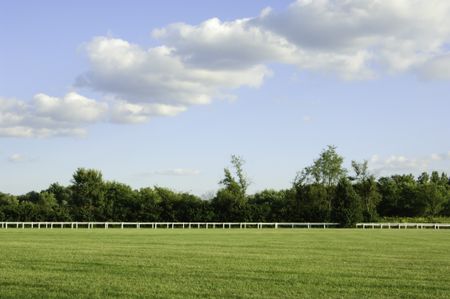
(148, 208)
(326, 170)
(230, 202)
(229, 206)
(269, 206)
(366, 187)
(237, 185)
(320, 193)
(346, 205)
(88, 195)
(121, 202)
(312, 203)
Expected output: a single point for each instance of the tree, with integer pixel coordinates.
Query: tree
(326, 170)
(432, 193)
(230, 202)
(312, 203)
(361, 170)
(325, 173)
(434, 197)
(149, 209)
(120, 202)
(346, 204)
(366, 187)
(63, 197)
(240, 184)
(230, 206)
(189, 208)
(9, 205)
(167, 204)
(46, 207)
(88, 195)
(269, 205)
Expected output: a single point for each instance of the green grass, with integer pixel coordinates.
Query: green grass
(224, 263)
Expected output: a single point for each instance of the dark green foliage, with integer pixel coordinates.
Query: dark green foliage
(88, 197)
(346, 205)
(312, 203)
(121, 202)
(320, 193)
(367, 189)
(269, 206)
(230, 206)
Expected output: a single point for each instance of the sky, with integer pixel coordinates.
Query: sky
(162, 93)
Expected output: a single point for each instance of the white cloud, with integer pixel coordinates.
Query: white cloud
(399, 34)
(217, 45)
(437, 68)
(47, 116)
(158, 75)
(195, 64)
(178, 172)
(399, 163)
(16, 158)
(348, 37)
(72, 108)
(125, 112)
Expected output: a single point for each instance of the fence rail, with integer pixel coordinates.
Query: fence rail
(403, 225)
(156, 225)
(212, 225)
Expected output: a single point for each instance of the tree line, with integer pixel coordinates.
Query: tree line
(322, 192)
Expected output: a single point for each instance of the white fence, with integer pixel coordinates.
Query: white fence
(403, 225)
(212, 225)
(171, 225)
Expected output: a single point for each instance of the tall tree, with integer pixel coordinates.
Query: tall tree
(239, 184)
(324, 173)
(88, 195)
(366, 187)
(120, 202)
(346, 204)
(230, 202)
(326, 170)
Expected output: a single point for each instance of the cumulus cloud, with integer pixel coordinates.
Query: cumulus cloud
(126, 112)
(354, 39)
(400, 163)
(158, 75)
(197, 63)
(47, 116)
(398, 35)
(437, 68)
(214, 44)
(72, 108)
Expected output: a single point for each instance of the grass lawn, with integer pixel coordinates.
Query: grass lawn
(220, 263)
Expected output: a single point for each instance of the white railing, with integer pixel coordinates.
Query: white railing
(155, 225)
(403, 225)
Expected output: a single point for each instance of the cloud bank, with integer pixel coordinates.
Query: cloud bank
(399, 163)
(195, 64)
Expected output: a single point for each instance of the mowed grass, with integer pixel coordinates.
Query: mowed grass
(235, 263)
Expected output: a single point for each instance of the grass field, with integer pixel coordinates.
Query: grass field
(224, 263)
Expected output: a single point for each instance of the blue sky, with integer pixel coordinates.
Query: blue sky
(162, 93)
